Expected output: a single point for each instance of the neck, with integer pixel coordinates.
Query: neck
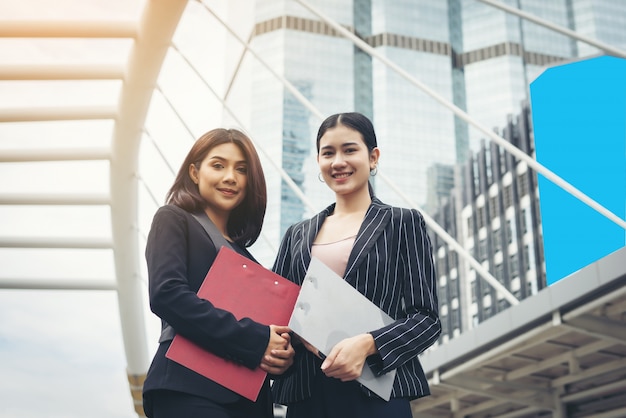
(353, 203)
(220, 220)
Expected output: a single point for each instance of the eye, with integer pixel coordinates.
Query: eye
(326, 153)
(217, 166)
(242, 169)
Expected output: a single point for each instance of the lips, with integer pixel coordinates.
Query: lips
(228, 191)
(341, 175)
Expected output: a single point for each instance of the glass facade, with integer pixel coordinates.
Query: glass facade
(472, 54)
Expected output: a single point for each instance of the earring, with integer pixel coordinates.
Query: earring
(319, 177)
(374, 171)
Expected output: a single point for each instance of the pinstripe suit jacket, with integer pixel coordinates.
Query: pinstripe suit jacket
(391, 264)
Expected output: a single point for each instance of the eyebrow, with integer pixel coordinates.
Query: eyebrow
(217, 157)
(345, 144)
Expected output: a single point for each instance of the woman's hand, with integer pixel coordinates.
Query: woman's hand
(279, 353)
(345, 361)
(310, 347)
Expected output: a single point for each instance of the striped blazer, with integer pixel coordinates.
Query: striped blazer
(391, 264)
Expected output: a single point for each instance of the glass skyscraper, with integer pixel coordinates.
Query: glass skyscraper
(475, 56)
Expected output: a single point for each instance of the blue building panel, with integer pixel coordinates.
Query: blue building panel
(579, 119)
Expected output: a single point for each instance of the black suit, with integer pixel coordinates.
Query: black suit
(179, 254)
(391, 264)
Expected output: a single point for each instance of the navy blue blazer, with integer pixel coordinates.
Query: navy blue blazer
(391, 264)
(179, 254)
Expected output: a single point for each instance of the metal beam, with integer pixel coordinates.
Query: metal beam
(68, 29)
(539, 397)
(57, 284)
(557, 359)
(57, 242)
(41, 114)
(596, 391)
(55, 154)
(61, 199)
(609, 49)
(604, 329)
(590, 372)
(15, 72)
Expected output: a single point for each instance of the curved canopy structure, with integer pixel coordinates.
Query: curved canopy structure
(146, 41)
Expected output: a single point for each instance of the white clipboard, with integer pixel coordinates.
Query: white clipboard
(329, 309)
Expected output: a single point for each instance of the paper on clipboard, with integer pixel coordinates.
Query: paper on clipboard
(246, 289)
(329, 309)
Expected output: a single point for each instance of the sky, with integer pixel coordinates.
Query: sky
(62, 352)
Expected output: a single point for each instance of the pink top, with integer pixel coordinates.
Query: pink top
(334, 254)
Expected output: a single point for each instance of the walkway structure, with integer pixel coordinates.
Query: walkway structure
(560, 353)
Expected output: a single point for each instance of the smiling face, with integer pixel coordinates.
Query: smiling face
(344, 160)
(222, 178)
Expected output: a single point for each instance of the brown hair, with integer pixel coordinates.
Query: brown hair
(246, 220)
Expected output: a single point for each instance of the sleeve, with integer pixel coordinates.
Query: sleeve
(174, 301)
(283, 258)
(407, 337)
(282, 267)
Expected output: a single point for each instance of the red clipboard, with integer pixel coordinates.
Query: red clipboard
(246, 289)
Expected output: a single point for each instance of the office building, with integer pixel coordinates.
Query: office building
(493, 212)
(473, 55)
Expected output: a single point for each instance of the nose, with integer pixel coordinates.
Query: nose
(229, 175)
(337, 161)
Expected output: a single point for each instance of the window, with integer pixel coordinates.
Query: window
(486, 288)
(455, 320)
(497, 240)
(444, 327)
(507, 196)
(514, 265)
(499, 272)
(480, 216)
(442, 266)
(523, 184)
(493, 207)
(454, 260)
(454, 289)
(510, 226)
(502, 304)
(482, 250)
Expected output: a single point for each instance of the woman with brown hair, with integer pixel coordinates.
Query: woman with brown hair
(221, 178)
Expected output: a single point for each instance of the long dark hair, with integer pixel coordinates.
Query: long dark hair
(355, 121)
(246, 220)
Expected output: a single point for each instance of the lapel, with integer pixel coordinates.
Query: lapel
(376, 219)
(309, 232)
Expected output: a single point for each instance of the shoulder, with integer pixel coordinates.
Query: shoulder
(406, 216)
(171, 216)
(169, 228)
(171, 212)
(296, 228)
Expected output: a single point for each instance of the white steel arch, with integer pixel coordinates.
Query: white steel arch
(157, 26)
(151, 37)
